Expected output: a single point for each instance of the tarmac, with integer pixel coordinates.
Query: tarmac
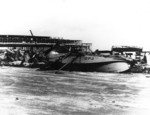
(26, 91)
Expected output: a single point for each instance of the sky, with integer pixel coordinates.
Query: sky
(104, 23)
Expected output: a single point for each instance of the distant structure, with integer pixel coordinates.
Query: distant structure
(23, 40)
(40, 42)
(129, 51)
(126, 49)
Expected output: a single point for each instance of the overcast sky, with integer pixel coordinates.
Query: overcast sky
(102, 22)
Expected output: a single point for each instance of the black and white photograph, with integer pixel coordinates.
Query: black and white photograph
(74, 57)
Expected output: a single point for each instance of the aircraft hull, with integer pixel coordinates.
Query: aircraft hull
(92, 64)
